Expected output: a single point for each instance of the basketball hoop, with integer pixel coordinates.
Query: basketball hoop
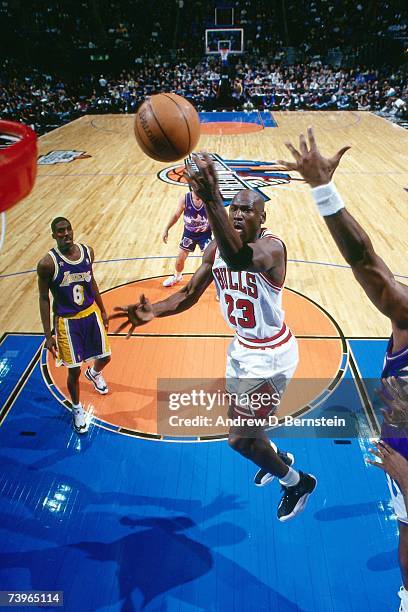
(18, 165)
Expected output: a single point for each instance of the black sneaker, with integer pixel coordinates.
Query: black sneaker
(294, 498)
(263, 478)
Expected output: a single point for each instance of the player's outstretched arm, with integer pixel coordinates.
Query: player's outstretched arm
(135, 315)
(260, 256)
(377, 280)
(202, 177)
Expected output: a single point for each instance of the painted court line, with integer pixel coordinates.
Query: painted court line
(301, 261)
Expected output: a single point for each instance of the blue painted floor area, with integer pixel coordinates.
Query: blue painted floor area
(261, 118)
(16, 353)
(370, 365)
(122, 524)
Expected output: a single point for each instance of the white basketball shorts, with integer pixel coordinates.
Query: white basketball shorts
(248, 369)
(397, 500)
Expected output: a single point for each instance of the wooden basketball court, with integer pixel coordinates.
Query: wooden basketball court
(148, 523)
(117, 204)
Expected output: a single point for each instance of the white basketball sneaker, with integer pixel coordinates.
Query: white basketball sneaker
(80, 420)
(172, 280)
(98, 381)
(403, 595)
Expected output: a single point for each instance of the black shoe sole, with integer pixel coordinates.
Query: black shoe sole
(301, 504)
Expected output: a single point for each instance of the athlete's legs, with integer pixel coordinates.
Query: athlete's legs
(100, 363)
(73, 384)
(258, 450)
(403, 551)
(180, 261)
(179, 267)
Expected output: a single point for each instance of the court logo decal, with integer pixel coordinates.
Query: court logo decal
(235, 175)
(61, 157)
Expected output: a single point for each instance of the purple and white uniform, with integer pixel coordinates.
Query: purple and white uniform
(197, 229)
(71, 285)
(396, 364)
(79, 328)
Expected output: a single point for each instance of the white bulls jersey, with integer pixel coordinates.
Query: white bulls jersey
(251, 303)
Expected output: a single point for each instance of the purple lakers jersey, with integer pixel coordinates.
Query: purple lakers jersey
(71, 285)
(195, 217)
(396, 364)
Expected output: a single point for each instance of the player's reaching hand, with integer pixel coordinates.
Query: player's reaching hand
(51, 345)
(309, 162)
(135, 315)
(165, 236)
(391, 462)
(396, 399)
(202, 178)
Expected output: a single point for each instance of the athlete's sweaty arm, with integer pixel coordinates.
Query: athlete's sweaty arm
(141, 313)
(238, 254)
(377, 280)
(45, 271)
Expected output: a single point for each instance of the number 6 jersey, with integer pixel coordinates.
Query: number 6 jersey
(71, 284)
(251, 303)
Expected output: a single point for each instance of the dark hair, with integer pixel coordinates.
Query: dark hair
(55, 221)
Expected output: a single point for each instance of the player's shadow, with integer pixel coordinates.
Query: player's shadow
(63, 495)
(384, 561)
(337, 513)
(154, 560)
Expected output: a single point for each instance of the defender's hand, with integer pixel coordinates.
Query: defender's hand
(309, 162)
(165, 236)
(391, 462)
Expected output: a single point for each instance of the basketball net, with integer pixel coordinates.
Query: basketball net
(224, 51)
(18, 166)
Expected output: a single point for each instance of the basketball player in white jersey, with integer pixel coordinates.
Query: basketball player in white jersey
(248, 264)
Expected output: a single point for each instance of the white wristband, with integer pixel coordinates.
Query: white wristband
(328, 199)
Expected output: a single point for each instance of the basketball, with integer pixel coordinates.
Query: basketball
(167, 127)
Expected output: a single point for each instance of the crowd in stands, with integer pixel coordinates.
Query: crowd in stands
(46, 101)
(314, 25)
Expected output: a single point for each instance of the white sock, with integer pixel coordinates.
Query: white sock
(94, 372)
(77, 407)
(291, 479)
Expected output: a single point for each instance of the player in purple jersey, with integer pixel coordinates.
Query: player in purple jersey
(380, 285)
(80, 320)
(197, 231)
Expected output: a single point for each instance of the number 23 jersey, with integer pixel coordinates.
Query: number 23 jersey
(71, 284)
(251, 303)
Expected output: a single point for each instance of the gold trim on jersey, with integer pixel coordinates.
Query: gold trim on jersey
(73, 261)
(83, 313)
